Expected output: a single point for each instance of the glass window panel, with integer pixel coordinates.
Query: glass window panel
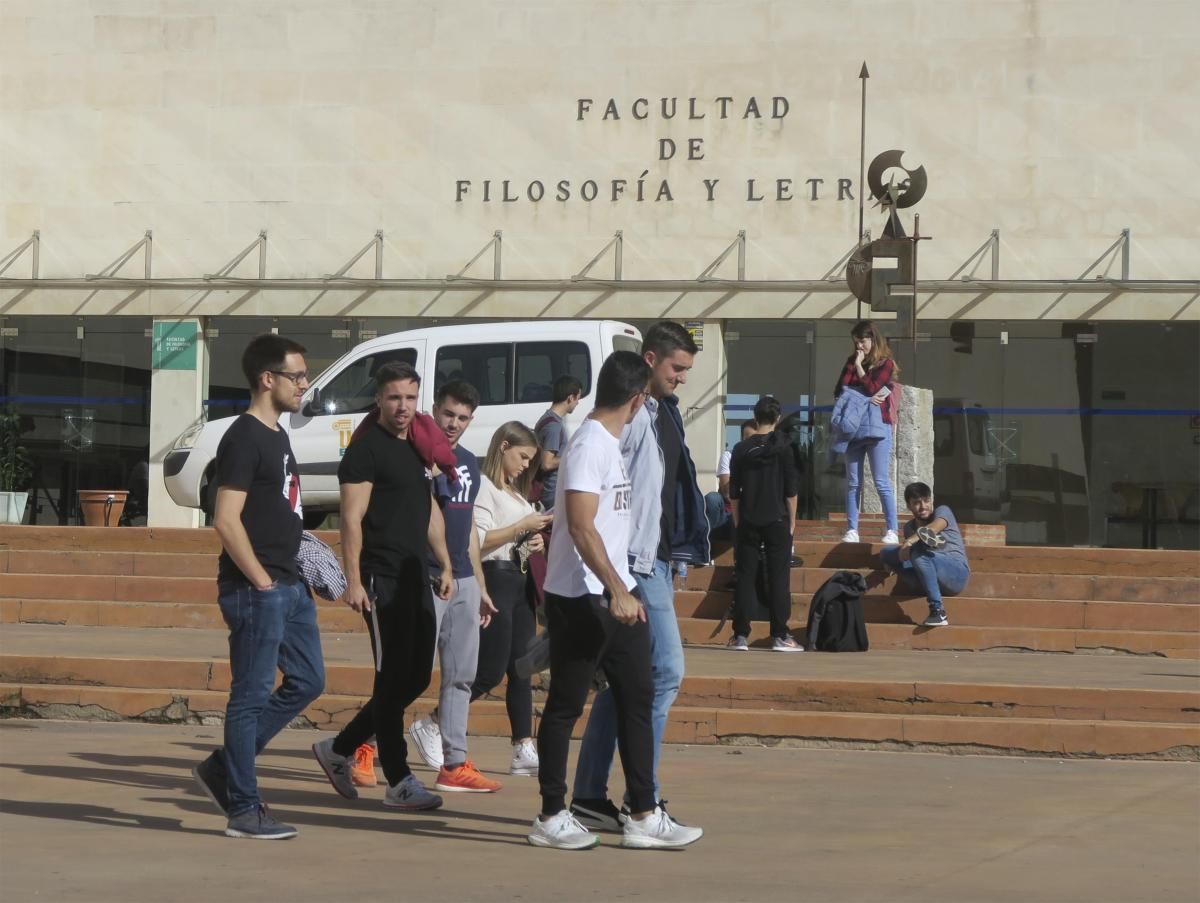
(539, 364)
(486, 367)
(353, 389)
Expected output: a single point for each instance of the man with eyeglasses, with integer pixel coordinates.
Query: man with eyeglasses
(271, 617)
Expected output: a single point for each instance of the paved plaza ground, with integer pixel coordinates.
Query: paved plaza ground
(107, 812)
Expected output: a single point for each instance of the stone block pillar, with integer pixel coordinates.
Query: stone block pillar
(177, 385)
(912, 450)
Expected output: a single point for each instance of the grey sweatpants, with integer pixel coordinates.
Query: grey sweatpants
(458, 653)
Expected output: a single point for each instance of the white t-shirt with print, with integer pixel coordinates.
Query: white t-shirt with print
(592, 463)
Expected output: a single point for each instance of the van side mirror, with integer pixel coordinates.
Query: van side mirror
(312, 407)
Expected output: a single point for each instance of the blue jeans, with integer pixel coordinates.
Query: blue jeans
(929, 573)
(268, 630)
(666, 661)
(879, 453)
(719, 521)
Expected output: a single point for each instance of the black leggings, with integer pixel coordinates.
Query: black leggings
(403, 647)
(504, 641)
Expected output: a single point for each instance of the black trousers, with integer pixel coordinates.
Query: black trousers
(751, 545)
(504, 641)
(583, 635)
(403, 630)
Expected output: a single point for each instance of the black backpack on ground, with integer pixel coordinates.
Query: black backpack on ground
(835, 615)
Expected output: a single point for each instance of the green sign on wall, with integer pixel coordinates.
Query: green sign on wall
(175, 345)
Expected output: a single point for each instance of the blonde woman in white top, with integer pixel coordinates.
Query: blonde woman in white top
(509, 529)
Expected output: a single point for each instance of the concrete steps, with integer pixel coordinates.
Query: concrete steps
(122, 623)
(130, 674)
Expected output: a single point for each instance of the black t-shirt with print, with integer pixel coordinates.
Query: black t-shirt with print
(259, 460)
(395, 528)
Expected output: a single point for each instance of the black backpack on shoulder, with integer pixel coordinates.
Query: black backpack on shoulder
(835, 615)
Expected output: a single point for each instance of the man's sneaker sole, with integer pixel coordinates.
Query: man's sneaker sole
(212, 797)
(409, 807)
(546, 843)
(447, 788)
(530, 772)
(247, 835)
(637, 842)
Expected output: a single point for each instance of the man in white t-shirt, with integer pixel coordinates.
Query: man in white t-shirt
(594, 619)
(716, 504)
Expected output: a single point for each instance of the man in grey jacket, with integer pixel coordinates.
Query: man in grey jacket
(670, 528)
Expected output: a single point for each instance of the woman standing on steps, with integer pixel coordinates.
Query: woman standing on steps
(869, 370)
(509, 530)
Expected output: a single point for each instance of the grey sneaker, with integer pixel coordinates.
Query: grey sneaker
(210, 775)
(658, 831)
(257, 824)
(936, 619)
(738, 643)
(785, 644)
(336, 768)
(411, 794)
(427, 737)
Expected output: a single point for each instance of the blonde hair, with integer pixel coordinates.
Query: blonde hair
(518, 435)
(880, 349)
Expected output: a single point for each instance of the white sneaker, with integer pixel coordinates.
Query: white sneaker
(850, 536)
(427, 737)
(525, 758)
(561, 832)
(890, 538)
(738, 643)
(658, 831)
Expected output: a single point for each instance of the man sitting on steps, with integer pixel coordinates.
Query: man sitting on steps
(932, 559)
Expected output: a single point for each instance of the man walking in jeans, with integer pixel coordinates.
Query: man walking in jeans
(669, 526)
(762, 490)
(388, 520)
(271, 616)
(594, 619)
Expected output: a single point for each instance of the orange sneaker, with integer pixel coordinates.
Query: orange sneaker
(465, 778)
(362, 772)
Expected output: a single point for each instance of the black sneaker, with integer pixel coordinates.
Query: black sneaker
(936, 619)
(599, 815)
(257, 824)
(210, 775)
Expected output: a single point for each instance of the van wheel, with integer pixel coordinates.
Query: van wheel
(313, 519)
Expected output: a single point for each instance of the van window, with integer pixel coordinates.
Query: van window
(539, 364)
(353, 390)
(627, 343)
(486, 367)
(943, 436)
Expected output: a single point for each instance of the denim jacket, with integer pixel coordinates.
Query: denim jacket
(644, 464)
(855, 419)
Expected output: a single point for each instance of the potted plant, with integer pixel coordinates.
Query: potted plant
(16, 468)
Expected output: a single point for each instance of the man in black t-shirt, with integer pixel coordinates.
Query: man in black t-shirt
(271, 616)
(388, 520)
(762, 492)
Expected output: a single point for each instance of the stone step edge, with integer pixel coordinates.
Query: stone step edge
(56, 612)
(736, 727)
(730, 691)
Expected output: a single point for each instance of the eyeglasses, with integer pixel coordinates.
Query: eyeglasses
(297, 378)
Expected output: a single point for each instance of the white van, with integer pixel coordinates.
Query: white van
(513, 365)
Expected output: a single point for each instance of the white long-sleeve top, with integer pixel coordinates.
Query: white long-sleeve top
(496, 508)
